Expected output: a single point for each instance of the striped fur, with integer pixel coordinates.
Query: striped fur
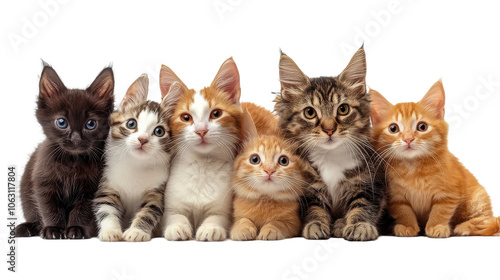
(346, 196)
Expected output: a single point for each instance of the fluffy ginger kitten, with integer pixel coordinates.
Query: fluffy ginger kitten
(428, 186)
(268, 181)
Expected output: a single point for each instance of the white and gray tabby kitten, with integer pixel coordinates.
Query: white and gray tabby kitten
(131, 193)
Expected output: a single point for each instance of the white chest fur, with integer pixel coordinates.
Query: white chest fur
(331, 165)
(199, 182)
(131, 178)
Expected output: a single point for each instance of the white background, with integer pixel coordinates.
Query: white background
(409, 46)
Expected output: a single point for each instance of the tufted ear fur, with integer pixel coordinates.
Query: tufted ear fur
(354, 74)
(434, 99)
(136, 93)
(228, 80)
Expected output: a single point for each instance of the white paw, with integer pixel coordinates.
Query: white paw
(136, 235)
(211, 232)
(178, 232)
(110, 235)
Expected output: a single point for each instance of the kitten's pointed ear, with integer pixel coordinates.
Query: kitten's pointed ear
(136, 93)
(50, 83)
(354, 74)
(170, 101)
(228, 80)
(248, 128)
(292, 79)
(434, 99)
(167, 79)
(104, 84)
(380, 106)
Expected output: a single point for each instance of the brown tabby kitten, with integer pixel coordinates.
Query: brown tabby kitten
(63, 173)
(329, 118)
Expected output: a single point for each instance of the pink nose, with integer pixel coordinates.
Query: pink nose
(201, 132)
(143, 140)
(269, 171)
(408, 140)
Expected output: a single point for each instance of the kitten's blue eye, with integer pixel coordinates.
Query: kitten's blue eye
(62, 123)
(91, 125)
(159, 131)
(131, 124)
(254, 159)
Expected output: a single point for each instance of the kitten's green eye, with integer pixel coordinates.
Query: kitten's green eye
(343, 109)
(91, 125)
(393, 128)
(216, 114)
(62, 123)
(254, 159)
(186, 117)
(283, 160)
(131, 124)
(309, 113)
(422, 126)
(159, 131)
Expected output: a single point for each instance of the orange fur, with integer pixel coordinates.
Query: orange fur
(262, 210)
(428, 186)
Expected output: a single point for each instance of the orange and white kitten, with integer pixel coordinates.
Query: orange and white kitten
(428, 186)
(206, 130)
(267, 181)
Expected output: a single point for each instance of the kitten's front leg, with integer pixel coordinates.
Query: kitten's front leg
(152, 207)
(81, 221)
(317, 220)
(362, 215)
(438, 225)
(401, 210)
(243, 229)
(52, 210)
(109, 212)
(177, 225)
(213, 228)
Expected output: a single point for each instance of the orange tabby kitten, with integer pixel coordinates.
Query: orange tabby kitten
(267, 181)
(428, 186)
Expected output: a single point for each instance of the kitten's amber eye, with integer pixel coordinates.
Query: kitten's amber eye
(215, 114)
(422, 126)
(283, 160)
(309, 113)
(186, 117)
(393, 128)
(131, 124)
(254, 159)
(159, 131)
(343, 109)
(62, 123)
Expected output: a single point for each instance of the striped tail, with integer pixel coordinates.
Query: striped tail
(490, 227)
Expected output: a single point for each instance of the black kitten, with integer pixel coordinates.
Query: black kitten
(63, 173)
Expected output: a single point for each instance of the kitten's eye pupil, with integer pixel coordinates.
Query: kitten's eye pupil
(283, 160)
(185, 117)
(62, 123)
(254, 159)
(343, 109)
(309, 113)
(159, 131)
(131, 124)
(422, 126)
(215, 114)
(91, 124)
(394, 128)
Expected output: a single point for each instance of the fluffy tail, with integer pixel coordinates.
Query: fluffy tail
(490, 227)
